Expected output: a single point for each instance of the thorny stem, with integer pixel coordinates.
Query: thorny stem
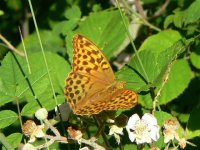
(10, 46)
(63, 139)
(140, 8)
(159, 91)
(161, 10)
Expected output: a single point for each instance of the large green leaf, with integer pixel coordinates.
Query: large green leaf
(155, 58)
(156, 53)
(195, 59)
(59, 70)
(178, 81)
(14, 85)
(102, 29)
(10, 76)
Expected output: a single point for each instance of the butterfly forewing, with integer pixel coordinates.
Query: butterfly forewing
(89, 60)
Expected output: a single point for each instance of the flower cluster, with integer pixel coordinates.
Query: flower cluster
(170, 133)
(144, 130)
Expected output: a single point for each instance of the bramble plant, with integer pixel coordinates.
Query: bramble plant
(99, 75)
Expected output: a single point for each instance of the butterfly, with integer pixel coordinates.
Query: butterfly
(91, 87)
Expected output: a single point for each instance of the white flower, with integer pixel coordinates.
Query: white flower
(116, 131)
(145, 130)
(41, 114)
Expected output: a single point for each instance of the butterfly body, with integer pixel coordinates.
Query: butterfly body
(91, 86)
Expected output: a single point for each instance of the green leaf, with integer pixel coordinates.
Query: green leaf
(193, 126)
(58, 67)
(192, 14)
(7, 117)
(98, 28)
(179, 79)
(156, 54)
(185, 17)
(73, 13)
(14, 139)
(13, 84)
(39, 80)
(161, 41)
(133, 73)
(51, 42)
(64, 27)
(195, 59)
(15, 5)
(47, 102)
(162, 116)
(179, 18)
(169, 19)
(10, 75)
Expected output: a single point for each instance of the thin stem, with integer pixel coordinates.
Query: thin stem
(10, 46)
(19, 113)
(143, 18)
(26, 56)
(140, 9)
(133, 45)
(42, 49)
(25, 23)
(162, 9)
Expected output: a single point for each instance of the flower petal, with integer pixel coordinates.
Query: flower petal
(132, 121)
(149, 119)
(154, 133)
(131, 136)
